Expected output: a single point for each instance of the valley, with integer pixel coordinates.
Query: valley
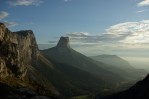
(59, 72)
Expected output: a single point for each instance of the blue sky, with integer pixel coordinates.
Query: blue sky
(95, 27)
(54, 18)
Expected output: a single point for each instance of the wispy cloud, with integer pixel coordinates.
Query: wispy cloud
(30, 23)
(10, 24)
(140, 11)
(25, 2)
(3, 14)
(143, 3)
(77, 34)
(67, 0)
(82, 38)
(131, 32)
(126, 34)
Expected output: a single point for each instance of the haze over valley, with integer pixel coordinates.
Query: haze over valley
(136, 59)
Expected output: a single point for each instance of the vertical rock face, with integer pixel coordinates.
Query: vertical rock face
(63, 42)
(22, 63)
(16, 51)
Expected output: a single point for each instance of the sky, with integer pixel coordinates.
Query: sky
(94, 27)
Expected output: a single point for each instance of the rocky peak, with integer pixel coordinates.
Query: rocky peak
(25, 32)
(17, 50)
(63, 42)
(2, 24)
(28, 36)
(2, 29)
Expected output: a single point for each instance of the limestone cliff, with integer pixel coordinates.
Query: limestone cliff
(21, 63)
(16, 51)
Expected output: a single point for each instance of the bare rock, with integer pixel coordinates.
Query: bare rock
(16, 51)
(64, 42)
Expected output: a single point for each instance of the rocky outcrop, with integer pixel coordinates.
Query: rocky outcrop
(63, 42)
(22, 64)
(16, 51)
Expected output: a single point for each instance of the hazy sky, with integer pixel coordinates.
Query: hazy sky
(94, 26)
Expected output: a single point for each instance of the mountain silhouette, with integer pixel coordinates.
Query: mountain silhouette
(139, 91)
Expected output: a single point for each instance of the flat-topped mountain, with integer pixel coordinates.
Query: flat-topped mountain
(77, 70)
(67, 55)
(63, 42)
(109, 73)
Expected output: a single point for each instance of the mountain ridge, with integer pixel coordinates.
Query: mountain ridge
(124, 66)
(71, 57)
(57, 72)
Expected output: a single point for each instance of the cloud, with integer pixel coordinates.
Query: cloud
(25, 2)
(82, 38)
(52, 42)
(30, 23)
(77, 34)
(131, 32)
(143, 3)
(3, 14)
(10, 24)
(140, 11)
(127, 34)
(67, 0)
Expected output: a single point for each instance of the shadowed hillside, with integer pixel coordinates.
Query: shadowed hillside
(139, 91)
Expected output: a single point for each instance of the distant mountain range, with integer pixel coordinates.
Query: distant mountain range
(56, 73)
(113, 60)
(120, 66)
